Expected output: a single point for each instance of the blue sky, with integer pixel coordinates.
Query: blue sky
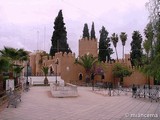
(29, 24)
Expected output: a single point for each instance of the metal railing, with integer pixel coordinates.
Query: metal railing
(147, 91)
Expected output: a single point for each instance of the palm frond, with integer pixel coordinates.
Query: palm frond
(87, 61)
(45, 70)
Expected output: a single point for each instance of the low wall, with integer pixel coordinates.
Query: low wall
(40, 79)
(69, 90)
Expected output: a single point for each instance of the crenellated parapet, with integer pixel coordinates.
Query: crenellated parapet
(86, 39)
(59, 55)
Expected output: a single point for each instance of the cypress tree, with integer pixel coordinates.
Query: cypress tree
(85, 31)
(136, 49)
(59, 37)
(93, 36)
(105, 49)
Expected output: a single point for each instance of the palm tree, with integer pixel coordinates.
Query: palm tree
(17, 70)
(87, 61)
(45, 71)
(4, 67)
(114, 39)
(22, 55)
(123, 37)
(14, 55)
(4, 64)
(9, 54)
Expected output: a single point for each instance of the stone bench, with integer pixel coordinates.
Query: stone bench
(38, 82)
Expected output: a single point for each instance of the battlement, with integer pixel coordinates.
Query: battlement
(59, 55)
(88, 40)
(126, 61)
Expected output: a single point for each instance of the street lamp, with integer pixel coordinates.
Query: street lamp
(56, 69)
(67, 68)
(27, 83)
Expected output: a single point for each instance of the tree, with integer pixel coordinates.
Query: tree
(152, 34)
(59, 37)
(13, 55)
(22, 55)
(147, 47)
(85, 31)
(120, 71)
(45, 71)
(87, 61)
(152, 49)
(136, 49)
(4, 67)
(93, 36)
(4, 64)
(105, 49)
(17, 70)
(114, 39)
(8, 61)
(123, 37)
(148, 56)
(9, 53)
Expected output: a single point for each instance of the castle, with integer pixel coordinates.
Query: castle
(64, 65)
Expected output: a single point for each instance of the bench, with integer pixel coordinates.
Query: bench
(13, 98)
(38, 82)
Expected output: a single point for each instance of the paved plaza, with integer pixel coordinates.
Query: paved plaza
(38, 104)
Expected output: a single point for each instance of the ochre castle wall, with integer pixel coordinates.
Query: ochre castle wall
(88, 46)
(69, 71)
(136, 78)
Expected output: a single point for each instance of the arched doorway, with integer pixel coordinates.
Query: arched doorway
(97, 77)
(80, 76)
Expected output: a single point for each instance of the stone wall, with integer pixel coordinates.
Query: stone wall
(88, 47)
(69, 71)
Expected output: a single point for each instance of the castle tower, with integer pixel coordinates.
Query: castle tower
(88, 47)
(33, 63)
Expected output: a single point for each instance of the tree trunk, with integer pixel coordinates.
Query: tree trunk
(123, 53)
(1, 82)
(147, 58)
(116, 53)
(11, 75)
(121, 81)
(46, 80)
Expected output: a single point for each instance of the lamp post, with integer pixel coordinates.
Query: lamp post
(56, 69)
(67, 68)
(27, 83)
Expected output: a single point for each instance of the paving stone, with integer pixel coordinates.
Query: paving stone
(38, 104)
